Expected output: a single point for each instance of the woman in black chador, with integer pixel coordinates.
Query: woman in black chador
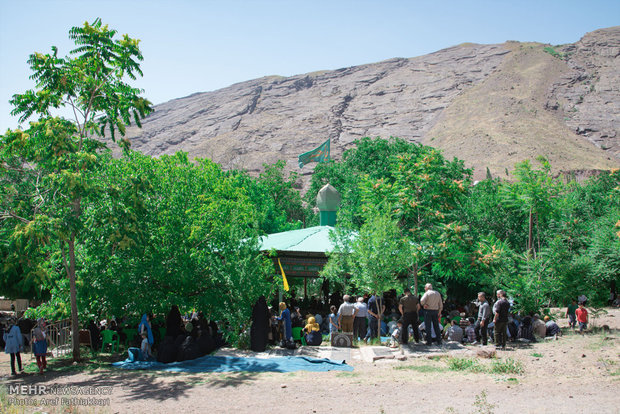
(260, 326)
(174, 322)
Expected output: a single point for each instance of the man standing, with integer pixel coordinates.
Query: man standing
(374, 304)
(432, 303)
(346, 314)
(409, 307)
(484, 316)
(501, 309)
(361, 317)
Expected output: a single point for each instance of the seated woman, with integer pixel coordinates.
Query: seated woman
(526, 331)
(297, 321)
(313, 332)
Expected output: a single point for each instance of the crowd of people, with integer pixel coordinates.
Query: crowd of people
(175, 338)
(15, 342)
(409, 317)
(420, 318)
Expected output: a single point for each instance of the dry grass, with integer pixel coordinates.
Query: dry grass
(503, 120)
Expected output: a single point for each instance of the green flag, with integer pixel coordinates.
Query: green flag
(319, 154)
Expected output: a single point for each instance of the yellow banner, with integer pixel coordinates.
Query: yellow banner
(283, 276)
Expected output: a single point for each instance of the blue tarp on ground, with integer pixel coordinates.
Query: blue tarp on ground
(210, 363)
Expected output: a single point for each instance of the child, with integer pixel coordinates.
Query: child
(145, 326)
(40, 344)
(14, 342)
(582, 317)
(333, 320)
(395, 338)
(145, 348)
(570, 314)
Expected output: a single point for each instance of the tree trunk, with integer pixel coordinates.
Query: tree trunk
(530, 241)
(415, 279)
(379, 327)
(380, 314)
(75, 329)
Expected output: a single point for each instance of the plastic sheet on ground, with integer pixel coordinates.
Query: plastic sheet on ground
(211, 363)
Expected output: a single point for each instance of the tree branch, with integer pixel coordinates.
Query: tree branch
(9, 214)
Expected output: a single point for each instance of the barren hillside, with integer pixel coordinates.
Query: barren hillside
(491, 105)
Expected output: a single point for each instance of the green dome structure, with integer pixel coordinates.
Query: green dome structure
(328, 202)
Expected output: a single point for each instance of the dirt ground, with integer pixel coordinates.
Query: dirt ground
(576, 374)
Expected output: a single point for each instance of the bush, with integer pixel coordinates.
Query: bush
(509, 366)
(464, 364)
(553, 52)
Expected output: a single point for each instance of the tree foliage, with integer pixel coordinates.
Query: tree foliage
(543, 239)
(58, 158)
(416, 189)
(576, 248)
(172, 232)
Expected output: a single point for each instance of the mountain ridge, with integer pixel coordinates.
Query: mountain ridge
(490, 105)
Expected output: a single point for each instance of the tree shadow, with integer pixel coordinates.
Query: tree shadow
(149, 384)
(136, 385)
(234, 379)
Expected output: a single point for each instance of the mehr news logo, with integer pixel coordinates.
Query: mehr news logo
(67, 395)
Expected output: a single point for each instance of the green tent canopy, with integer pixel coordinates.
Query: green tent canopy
(303, 252)
(312, 240)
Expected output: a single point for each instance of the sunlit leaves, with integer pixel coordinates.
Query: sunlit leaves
(91, 81)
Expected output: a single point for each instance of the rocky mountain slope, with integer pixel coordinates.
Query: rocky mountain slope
(491, 105)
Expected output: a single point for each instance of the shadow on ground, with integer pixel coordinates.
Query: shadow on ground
(136, 384)
(233, 379)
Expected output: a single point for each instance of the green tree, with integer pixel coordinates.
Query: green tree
(172, 232)
(285, 199)
(409, 210)
(425, 194)
(371, 260)
(533, 195)
(64, 154)
(574, 245)
(371, 157)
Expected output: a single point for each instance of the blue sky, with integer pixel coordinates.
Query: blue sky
(195, 46)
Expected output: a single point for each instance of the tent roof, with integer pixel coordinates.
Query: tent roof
(311, 240)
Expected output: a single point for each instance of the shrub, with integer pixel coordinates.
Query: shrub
(553, 52)
(464, 364)
(509, 366)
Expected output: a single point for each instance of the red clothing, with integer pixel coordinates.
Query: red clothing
(582, 315)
